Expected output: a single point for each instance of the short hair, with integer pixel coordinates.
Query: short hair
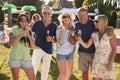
(82, 9)
(46, 7)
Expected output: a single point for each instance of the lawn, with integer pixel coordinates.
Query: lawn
(5, 73)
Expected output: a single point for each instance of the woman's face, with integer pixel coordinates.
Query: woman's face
(66, 19)
(97, 23)
(36, 18)
(23, 22)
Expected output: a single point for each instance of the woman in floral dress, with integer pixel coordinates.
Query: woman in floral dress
(105, 43)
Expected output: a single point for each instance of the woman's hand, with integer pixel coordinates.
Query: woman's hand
(62, 29)
(79, 39)
(109, 67)
(24, 34)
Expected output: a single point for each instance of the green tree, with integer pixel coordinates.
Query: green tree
(24, 2)
(103, 8)
(78, 3)
(113, 18)
(1, 16)
(85, 3)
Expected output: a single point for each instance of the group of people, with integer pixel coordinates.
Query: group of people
(97, 45)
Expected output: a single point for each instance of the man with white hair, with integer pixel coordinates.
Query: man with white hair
(45, 32)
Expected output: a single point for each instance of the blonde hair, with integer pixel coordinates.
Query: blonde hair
(103, 21)
(71, 21)
(46, 7)
(82, 9)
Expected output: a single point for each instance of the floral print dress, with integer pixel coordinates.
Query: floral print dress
(102, 57)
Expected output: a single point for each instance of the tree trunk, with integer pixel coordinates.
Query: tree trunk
(9, 18)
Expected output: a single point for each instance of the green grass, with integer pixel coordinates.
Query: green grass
(5, 73)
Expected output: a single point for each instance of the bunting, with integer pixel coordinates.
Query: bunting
(104, 1)
(111, 3)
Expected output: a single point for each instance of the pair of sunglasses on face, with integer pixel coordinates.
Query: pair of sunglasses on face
(46, 13)
(65, 17)
(23, 20)
(96, 21)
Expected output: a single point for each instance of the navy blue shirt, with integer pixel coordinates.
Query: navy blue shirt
(40, 35)
(86, 30)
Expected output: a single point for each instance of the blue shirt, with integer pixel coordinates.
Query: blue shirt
(66, 47)
(86, 31)
(41, 33)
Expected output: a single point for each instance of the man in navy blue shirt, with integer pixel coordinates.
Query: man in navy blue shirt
(45, 32)
(87, 27)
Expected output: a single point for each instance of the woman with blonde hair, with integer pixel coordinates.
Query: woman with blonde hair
(65, 45)
(105, 43)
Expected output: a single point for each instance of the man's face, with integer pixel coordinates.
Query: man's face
(47, 14)
(83, 16)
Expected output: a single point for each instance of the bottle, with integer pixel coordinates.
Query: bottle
(73, 31)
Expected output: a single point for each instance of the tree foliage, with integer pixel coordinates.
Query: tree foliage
(113, 18)
(78, 3)
(1, 15)
(85, 3)
(103, 9)
(24, 2)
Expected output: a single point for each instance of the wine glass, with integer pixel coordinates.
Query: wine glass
(79, 32)
(48, 32)
(73, 29)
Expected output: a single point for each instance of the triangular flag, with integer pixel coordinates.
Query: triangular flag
(104, 1)
(118, 4)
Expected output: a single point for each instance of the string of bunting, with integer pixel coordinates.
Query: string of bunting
(111, 3)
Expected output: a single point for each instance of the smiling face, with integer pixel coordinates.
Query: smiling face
(47, 13)
(83, 16)
(66, 19)
(23, 22)
(96, 22)
(36, 18)
(101, 22)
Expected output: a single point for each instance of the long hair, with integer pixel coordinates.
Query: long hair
(103, 22)
(24, 39)
(19, 16)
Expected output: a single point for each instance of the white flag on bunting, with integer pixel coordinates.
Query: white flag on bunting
(104, 1)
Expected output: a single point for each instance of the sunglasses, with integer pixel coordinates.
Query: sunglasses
(46, 13)
(65, 17)
(96, 21)
(23, 20)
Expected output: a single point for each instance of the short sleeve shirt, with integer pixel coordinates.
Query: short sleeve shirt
(20, 51)
(40, 31)
(86, 31)
(66, 47)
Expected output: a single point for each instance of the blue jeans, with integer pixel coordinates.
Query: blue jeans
(65, 57)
